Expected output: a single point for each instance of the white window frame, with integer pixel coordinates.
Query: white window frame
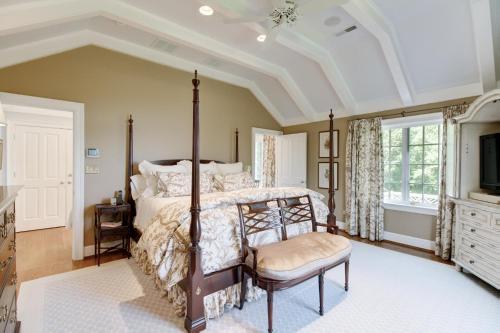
(255, 132)
(406, 122)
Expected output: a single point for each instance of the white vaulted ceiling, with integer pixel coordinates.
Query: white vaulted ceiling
(402, 52)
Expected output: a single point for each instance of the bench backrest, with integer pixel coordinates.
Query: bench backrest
(275, 214)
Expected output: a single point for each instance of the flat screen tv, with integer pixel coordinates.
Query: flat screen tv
(490, 162)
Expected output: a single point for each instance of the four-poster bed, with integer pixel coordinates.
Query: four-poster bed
(197, 284)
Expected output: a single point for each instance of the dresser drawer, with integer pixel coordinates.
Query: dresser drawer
(8, 293)
(495, 221)
(474, 215)
(477, 265)
(487, 234)
(488, 249)
(7, 252)
(12, 321)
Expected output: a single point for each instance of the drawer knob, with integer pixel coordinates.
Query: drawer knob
(4, 263)
(471, 261)
(472, 246)
(472, 230)
(472, 214)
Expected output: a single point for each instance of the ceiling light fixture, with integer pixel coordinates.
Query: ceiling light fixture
(206, 10)
(261, 38)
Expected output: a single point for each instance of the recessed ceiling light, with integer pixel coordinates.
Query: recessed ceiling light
(261, 38)
(206, 10)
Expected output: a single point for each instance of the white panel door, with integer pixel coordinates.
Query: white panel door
(292, 160)
(41, 167)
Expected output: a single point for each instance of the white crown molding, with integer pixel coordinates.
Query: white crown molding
(38, 16)
(50, 46)
(364, 11)
(483, 38)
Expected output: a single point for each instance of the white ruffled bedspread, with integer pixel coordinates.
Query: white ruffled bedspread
(162, 250)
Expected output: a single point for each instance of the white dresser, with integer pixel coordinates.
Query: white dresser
(477, 239)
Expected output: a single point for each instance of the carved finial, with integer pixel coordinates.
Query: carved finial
(130, 120)
(331, 114)
(196, 82)
(403, 114)
(237, 131)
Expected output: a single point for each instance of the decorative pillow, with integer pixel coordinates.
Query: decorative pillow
(229, 168)
(177, 184)
(210, 168)
(147, 168)
(233, 181)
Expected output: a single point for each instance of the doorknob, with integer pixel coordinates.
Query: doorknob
(62, 183)
(69, 175)
(69, 182)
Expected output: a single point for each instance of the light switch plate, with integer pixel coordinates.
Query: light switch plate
(92, 169)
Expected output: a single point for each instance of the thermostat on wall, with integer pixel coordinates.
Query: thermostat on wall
(93, 152)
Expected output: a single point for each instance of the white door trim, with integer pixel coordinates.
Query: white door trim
(78, 110)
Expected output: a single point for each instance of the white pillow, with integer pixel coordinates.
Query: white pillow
(147, 168)
(142, 186)
(210, 168)
(137, 186)
(229, 168)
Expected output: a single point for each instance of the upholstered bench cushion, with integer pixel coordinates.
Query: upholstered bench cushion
(300, 255)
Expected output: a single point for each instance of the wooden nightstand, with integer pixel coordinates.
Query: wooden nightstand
(117, 224)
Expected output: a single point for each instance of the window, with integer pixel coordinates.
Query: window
(412, 158)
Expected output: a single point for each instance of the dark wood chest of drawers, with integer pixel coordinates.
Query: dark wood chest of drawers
(8, 276)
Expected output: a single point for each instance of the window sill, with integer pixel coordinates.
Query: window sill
(410, 208)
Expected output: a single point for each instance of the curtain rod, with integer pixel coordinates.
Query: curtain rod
(405, 113)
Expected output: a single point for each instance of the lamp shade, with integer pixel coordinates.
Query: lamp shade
(3, 122)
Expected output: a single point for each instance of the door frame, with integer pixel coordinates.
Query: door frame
(40, 105)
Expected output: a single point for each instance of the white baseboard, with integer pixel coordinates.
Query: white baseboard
(89, 250)
(409, 240)
(402, 239)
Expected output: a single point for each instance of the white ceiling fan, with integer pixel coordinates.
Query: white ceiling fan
(285, 12)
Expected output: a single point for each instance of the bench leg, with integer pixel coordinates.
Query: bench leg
(321, 279)
(243, 288)
(346, 286)
(269, 308)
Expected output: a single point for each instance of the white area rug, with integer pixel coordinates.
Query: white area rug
(389, 292)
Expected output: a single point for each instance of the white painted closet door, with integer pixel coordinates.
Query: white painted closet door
(292, 160)
(40, 165)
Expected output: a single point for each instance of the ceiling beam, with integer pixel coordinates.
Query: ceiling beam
(55, 12)
(366, 13)
(483, 37)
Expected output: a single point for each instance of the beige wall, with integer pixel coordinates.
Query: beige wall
(114, 85)
(415, 225)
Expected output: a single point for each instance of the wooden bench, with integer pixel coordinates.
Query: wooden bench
(290, 261)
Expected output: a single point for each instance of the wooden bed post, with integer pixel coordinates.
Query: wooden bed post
(195, 310)
(130, 160)
(237, 155)
(331, 219)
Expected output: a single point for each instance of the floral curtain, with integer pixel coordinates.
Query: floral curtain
(365, 179)
(268, 178)
(446, 208)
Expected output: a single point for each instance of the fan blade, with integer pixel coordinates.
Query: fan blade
(319, 5)
(245, 19)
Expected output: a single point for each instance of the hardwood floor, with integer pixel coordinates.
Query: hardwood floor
(47, 252)
(389, 245)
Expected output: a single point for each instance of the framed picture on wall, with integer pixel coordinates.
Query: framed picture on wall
(323, 173)
(324, 144)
